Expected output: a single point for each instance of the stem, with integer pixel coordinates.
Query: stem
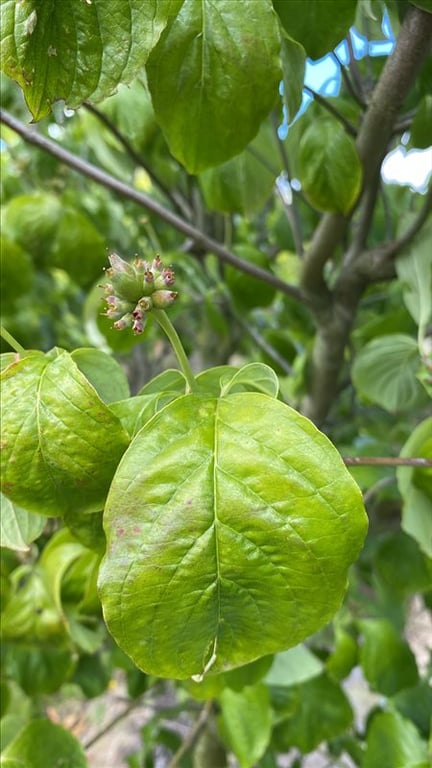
(11, 341)
(193, 735)
(174, 339)
(387, 461)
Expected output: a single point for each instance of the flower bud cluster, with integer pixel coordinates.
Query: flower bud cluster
(135, 289)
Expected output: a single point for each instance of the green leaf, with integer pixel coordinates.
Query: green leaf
(232, 515)
(78, 248)
(421, 129)
(310, 713)
(61, 443)
(387, 661)
(344, 655)
(416, 705)
(244, 183)
(394, 742)
(31, 613)
(210, 382)
(401, 564)
(329, 167)
(32, 220)
(218, 63)
(255, 377)
(415, 486)
(74, 50)
(425, 5)
(170, 380)
(246, 722)
(385, 370)
(293, 65)
(16, 274)
(136, 411)
(103, 372)
(318, 26)
(414, 270)
(293, 667)
(18, 528)
(42, 743)
(38, 670)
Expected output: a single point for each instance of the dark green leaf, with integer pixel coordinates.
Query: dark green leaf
(385, 372)
(310, 713)
(387, 661)
(73, 50)
(16, 275)
(221, 542)
(38, 671)
(416, 705)
(78, 248)
(42, 744)
(32, 220)
(394, 742)
(414, 270)
(61, 443)
(402, 565)
(329, 167)
(318, 26)
(293, 65)
(421, 129)
(214, 77)
(344, 655)
(425, 5)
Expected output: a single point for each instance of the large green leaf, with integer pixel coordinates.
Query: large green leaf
(231, 524)
(385, 372)
(42, 744)
(246, 722)
(394, 742)
(214, 77)
(76, 50)
(329, 167)
(319, 26)
(61, 443)
(415, 485)
(18, 528)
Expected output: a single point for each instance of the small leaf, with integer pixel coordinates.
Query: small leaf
(329, 167)
(73, 50)
(246, 722)
(401, 564)
(170, 380)
(210, 381)
(318, 26)
(225, 517)
(293, 65)
(385, 371)
(18, 527)
(218, 63)
(253, 377)
(415, 485)
(293, 667)
(414, 270)
(387, 661)
(61, 443)
(134, 412)
(394, 742)
(103, 372)
(42, 743)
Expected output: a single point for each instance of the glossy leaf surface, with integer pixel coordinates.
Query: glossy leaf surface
(231, 524)
(215, 60)
(61, 443)
(73, 50)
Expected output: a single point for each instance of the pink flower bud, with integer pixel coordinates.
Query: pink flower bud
(124, 322)
(163, 299)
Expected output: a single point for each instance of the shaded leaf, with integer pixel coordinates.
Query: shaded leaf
(246, 722)
(421, 129)
(103, 372)
(74, 50)
(293, 66)
(221, 542)
(18, 528)
(387, 661)
(61, 443)
(414, 270)
(415, 485)
(331, 22)
(329, 167)
(218, 63)
(385, 371)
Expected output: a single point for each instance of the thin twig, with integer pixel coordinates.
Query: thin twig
(137, 158)
(147, 202)
(348, 84)
(383, 482)
(326, 104)
(194, 732)
(387, 461)
(117, 719)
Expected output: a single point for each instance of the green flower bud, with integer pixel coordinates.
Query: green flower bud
(163, 299)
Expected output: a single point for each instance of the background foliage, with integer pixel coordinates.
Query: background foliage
(162, 127)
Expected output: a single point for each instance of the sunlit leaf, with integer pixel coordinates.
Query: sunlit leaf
(224, 517)
(18, 528)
